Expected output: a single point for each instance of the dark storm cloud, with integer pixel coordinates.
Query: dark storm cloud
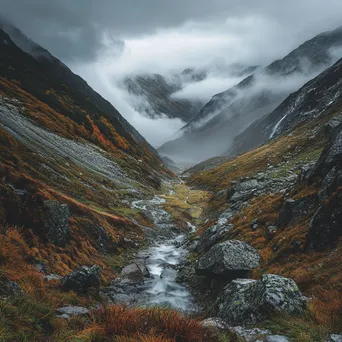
(74, 28)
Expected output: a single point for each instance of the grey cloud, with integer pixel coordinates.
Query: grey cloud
(73, 29)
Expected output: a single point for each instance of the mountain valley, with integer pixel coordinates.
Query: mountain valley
(104, 238)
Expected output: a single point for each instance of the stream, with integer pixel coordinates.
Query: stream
(161, 259)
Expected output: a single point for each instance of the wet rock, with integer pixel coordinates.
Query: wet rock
(83, 281)
(325, 226)
(231, 258)
(215, 323)
(50, 277)
(249, 301)
(250, 335)
(276, 338)
(212, 236)
(255, 224)
(168, 273)
(271, 232)
(68, 311)
(135, 272)
(57, 222)
(293, 210)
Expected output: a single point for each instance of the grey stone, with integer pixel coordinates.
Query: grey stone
(248, 301)
(212, 236)
(57, 222)
(83, 280)
(135, 272)
(335, 338)
(229, 258)
(249, 335)
(215, 323)
(276, 338)
(50, 277)
(73, 310)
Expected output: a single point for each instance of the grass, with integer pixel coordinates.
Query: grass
(186, 204)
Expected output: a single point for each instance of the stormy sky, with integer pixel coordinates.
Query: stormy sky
(105, 40)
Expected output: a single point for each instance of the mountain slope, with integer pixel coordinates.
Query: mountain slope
(307, 103)
(230, 112)
(82, 112)
(60, 141)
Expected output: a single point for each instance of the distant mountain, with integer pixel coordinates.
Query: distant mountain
(307, 103)
(154, 93)
(212, 130)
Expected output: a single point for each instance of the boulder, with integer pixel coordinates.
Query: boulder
(135, 272)
(68, 311)
(276, 338)
(249, 301)
(83, 281)
(230, 259)
(293, 210)
(215, 323)
(212, 236)
(335, 338)
(56, 217)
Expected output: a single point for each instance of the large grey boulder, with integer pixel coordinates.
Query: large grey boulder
(135, 272)
(231, 258)
(246, 301)
(83, 281)
(56, 216)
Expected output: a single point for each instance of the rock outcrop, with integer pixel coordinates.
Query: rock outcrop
(83, 281)
(293, 210)
(57, 222)
(250, 301)
(230, 259)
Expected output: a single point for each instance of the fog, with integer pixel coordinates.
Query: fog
(109, 40)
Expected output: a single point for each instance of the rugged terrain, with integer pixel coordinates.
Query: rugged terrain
(229, 113)
(101, 242)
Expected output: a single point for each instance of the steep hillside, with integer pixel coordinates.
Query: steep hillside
(230, 112)
(307, 103)
(283, 199)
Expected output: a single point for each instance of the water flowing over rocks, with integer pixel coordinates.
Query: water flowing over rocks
(249, 301)
(152, 278)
